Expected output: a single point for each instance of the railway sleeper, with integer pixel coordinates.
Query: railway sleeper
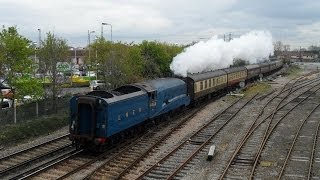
(195, 142)
(243, 161)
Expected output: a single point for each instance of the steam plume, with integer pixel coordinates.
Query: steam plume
(216, 53)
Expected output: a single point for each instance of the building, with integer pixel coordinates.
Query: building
(77, 56)
(299, 56)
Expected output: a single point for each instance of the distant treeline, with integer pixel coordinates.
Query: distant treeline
(120, 63)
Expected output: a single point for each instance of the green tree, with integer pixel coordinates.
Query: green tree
(158, 57)
(16, 64)
(52, 51)
(134, 64)
(239, 62)
(117, 63)
(120, 63)
(102, 61)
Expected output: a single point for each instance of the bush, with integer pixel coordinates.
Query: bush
(45, 125)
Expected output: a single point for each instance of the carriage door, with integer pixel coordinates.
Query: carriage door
(152, 101)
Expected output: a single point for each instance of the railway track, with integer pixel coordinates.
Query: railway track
(117, 166)
(20, 160)
(247, 152)
(121, 160)
(33, 172)
(300, 157)
(285, 116)
(178, 158)
(70, 164)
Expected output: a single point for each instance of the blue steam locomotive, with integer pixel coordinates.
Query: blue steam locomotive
(100, 117)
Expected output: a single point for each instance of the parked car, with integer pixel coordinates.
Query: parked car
(6, 91)
(6, 103)
(98, 84)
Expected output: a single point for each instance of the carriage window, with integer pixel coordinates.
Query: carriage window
(119, 118)
(127, 114)
(205, 84)
(209, 82)
(213, 82)
(201, 85)
(139, 109)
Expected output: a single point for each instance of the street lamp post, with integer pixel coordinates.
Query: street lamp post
(96, 60)
(89, 36)
(35, 56)
(102, 29)
(34, 71)
(75, 58)
(39, 45)
(110, 39)
(89, 42)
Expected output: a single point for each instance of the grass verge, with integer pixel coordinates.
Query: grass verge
(260, 87)
(293, 71)
(14, 133)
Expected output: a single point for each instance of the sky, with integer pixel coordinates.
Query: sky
(294, 22)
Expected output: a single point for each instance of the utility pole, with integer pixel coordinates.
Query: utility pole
(300, 54)
(101, 31)
(89, 36)
(39, 45)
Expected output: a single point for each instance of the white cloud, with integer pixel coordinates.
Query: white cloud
(164, 20)
(77, 16)
(312, 30)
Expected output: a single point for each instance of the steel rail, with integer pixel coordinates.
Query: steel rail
(294, 142)
(33, 147)
(194, 134)
(271, 131)
(33, 172)
(98, 158)
(11, 168)
(36, 158)
(157, 143)
(272, 116)
(312, 159)
(252, 129)
(247, 134)
(206, 142)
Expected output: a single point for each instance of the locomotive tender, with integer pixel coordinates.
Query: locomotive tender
(101, 117)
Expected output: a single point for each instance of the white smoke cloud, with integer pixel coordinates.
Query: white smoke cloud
(216, 53)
